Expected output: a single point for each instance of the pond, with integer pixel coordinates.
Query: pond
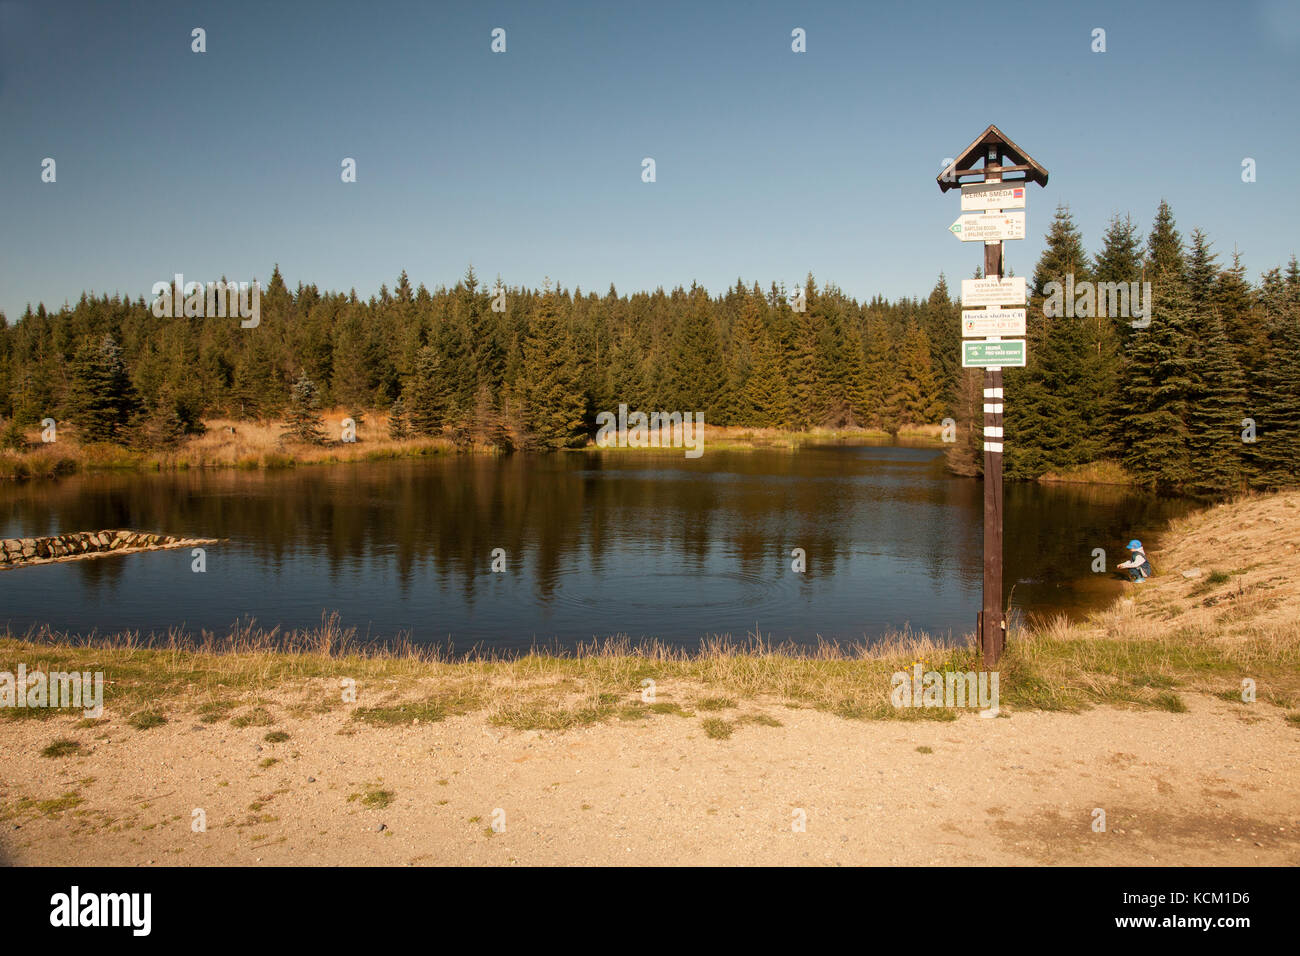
(593, 544)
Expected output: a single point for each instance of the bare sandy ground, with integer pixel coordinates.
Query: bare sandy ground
(1217, 785)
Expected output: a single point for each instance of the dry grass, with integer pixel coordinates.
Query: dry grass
(263, 445)
(729, 438)
(1092, 473)
(42, 461)
(252, 445)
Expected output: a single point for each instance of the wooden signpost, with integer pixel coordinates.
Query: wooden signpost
(988, 197)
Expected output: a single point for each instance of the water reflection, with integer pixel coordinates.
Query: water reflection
(596, 544)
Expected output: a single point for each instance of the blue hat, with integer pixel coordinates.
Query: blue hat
(1135, 545)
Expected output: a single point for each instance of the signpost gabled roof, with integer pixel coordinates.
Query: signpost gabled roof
(964, 164)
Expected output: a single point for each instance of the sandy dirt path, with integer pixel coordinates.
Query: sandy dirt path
(1217, 785)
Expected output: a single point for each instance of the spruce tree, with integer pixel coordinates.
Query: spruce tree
(162, 426)
(1234, 301)
(1054, 412)
(918, 398)
(1165, 259)
(427, 399)
(399, 426)
(1119, 263)
(1158, 382)
(1274, 456)
(1215, 403)
(101, 399)
(943, 327)
(880, 377)
(353, 363)
(304, 421)
(695, 378)
(553, 404)
(747, 333)
(258, 386)
(1215, 414)
(799, 355)
(765, 396)
(1159, 387)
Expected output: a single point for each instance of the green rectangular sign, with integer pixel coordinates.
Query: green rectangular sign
(984, 353)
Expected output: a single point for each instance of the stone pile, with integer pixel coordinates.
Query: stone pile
(16, 551)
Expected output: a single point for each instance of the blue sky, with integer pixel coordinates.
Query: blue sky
(770, 164)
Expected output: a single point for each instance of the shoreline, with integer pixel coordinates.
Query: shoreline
(258, 446)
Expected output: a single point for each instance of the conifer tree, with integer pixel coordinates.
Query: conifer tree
(258, 386)
(354, 364)
(1120, 258)
(1215, 402)
(1234, 301)
(799, 353)
(880, 378)
(748, 334)
(1164, 253)
(1214, 419)
(695, 378)
(765, 396)
(101, 398)
(553, 404)
(1274, 456)
(943, 326)
(1159, 379)
(163, 425)
(1054, 416)
(1159, 386)
(303, 420)
(918, 398)
(428, 396)
(399, 426)
(1117, 265)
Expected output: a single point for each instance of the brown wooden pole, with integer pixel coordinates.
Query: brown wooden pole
(992, 623)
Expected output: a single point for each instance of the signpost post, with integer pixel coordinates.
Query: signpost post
(990, 197)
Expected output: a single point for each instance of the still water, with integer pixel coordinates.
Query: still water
(596, 544)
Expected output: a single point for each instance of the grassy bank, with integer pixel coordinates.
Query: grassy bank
(728, 438)
(226, 444)
(262, 445)
(1092, 473)
(1236, 619)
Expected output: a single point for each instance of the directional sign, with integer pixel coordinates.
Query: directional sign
(980, 196)
(986, 353)
(989, 227)
(992, 322)
(993, 291)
